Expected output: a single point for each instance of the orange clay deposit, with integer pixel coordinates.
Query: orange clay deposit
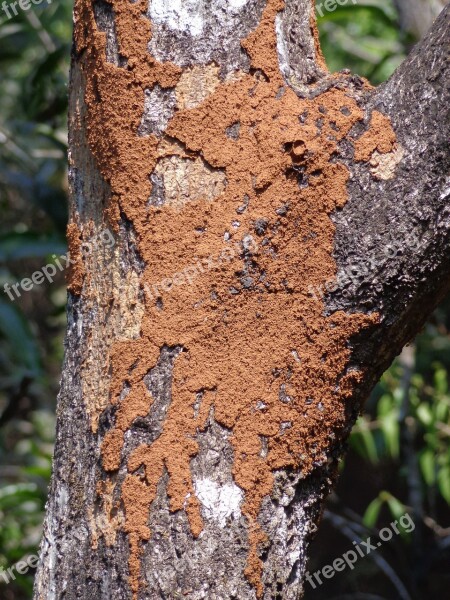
(379, 138)
(239, 349)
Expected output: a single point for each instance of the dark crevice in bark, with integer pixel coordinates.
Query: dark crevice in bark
(130, 258)
(105, 20)
(76, 183)
(158, 194)
(159, 383)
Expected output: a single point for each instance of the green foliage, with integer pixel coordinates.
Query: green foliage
(427, 418)
(396, 508)
(15, 246)
(22, 500)
(34, 55)
(18, 344)
(363, 37)
(34, 59)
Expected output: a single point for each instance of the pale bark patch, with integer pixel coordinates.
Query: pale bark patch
(159, 107)
(187, 180)
(219, 501)
(196, 84)
(108, 520)
(188, 15)
(383, 165)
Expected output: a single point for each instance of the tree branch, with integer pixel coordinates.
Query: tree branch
(393, 234)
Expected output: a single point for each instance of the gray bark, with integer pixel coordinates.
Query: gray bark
(395, 234)
(403, 288)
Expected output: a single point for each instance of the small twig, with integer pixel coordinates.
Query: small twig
(35, 22)
(436, 528)
(443, 427)
(348, 528)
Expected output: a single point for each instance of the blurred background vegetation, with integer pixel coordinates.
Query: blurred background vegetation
(399, 458)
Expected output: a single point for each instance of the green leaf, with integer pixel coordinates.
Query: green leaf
(443, 479)
(425, 414)
(11, 29)
(385, 405)
(344, 11)
(441, 409)
(368, 440)
(427, 462)
(391, 433)
(396, 508)
(440, 380)
(372, 511)
(18, 492)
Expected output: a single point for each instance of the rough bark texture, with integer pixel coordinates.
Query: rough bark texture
(145, 504)
(393, 235)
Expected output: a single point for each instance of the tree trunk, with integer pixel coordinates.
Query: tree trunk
(254, 240)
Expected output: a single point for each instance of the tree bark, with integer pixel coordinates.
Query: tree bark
(279, 234)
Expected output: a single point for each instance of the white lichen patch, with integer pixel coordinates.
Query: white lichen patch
(178, 15)
(159, 107)
(189, 15)
(382, 166)
(282, 48)
(445, 192)
(237, 4)
(219, 501)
